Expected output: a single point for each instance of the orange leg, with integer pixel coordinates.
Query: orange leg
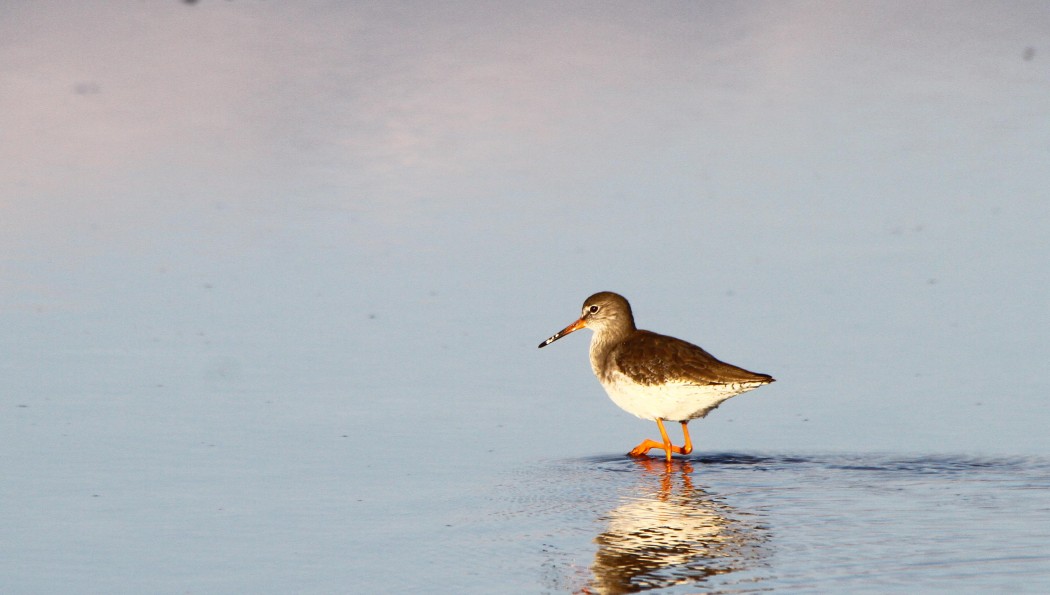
(668, 448)
(688, 446)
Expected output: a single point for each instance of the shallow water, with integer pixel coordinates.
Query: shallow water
(729, 523)
(272, 278)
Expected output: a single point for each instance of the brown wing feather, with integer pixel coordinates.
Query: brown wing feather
(651, 358)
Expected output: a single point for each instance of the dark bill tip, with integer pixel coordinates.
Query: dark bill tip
(550, 340)
(571, 328)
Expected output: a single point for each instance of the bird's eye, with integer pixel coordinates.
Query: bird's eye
(593, 309)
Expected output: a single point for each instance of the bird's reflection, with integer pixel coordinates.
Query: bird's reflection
(670, 532)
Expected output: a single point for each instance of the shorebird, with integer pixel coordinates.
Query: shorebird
(654, 376)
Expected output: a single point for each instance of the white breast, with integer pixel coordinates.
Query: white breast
(671, 402)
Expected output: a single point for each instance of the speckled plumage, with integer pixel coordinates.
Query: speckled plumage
(650, 358)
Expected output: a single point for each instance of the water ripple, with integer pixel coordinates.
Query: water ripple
(732, 522)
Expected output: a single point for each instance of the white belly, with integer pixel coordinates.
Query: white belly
(671, 402)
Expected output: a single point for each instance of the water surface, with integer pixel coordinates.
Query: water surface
(272, 277)
(728, 523)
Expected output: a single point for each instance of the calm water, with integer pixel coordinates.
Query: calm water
(272, 279)
(732, 523)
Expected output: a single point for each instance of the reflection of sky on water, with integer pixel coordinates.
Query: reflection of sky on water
(850, 196)
(302, 255)
(894, 522)
(725, 523)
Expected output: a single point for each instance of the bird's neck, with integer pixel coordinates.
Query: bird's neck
(602, 345)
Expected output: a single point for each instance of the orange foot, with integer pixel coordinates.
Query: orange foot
(643, 449)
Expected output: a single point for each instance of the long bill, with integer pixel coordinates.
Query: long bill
(572, 327)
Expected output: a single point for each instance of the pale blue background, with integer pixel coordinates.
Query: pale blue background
(274, 274)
